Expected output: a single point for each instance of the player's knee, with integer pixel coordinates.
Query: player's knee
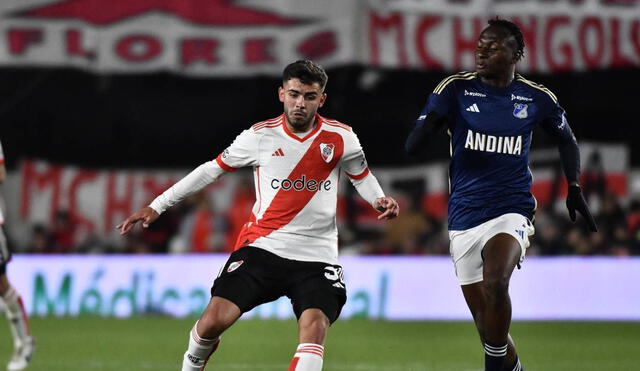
(210, 327)
(496, 287)
(4, 284)
(315, 325)
(214, 322)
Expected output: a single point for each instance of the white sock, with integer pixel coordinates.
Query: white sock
(199, 351)
(308, 357)
(16, 316)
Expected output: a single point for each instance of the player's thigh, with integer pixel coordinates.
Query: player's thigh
(466, 252)
(314, 285)
(250, 277)
(467, 246)
(501, 255)
(506, 241)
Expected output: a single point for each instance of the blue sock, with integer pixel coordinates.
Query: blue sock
(494, 356)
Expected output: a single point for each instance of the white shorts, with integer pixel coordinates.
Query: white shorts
(466, 246)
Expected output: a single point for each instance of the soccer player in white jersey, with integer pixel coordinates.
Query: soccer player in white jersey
(23, 343)
(289, 245)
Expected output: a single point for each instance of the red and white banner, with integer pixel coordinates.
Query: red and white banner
(96, 199)
(248, 37)
(199, 37)
(559, 35)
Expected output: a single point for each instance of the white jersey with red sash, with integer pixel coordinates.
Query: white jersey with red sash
(296, 180)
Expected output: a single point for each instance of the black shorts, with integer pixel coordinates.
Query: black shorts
(5, 252)
(253, 276)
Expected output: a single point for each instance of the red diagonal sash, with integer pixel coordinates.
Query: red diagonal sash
(287, 204)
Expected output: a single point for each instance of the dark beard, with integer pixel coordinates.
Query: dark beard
(300, 125)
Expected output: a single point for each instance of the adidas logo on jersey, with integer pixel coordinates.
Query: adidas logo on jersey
(278, 152)
(473, 108)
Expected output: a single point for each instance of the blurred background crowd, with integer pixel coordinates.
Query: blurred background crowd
(102, 107)
(194, 226)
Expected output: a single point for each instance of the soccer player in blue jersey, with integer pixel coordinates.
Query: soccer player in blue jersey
(490, 115)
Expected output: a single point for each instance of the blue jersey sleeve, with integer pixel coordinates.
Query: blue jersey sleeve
(556, 125)
(431, 118)
(440, 101)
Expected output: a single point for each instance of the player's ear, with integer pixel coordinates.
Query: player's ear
(281, 94)
(515, 58)
(513, 47)
(519, 55)
(323, 98)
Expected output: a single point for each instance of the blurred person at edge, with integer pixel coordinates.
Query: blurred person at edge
(23, 342)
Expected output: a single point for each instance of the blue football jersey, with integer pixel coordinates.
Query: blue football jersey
(490, 130)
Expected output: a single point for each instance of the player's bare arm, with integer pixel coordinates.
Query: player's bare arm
(388, 207)
(147, 215)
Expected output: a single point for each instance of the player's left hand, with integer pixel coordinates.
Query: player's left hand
(576, 202)
(147, 215)
(387, 206)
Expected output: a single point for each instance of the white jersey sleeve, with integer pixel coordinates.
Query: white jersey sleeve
(353, 161)
(199, 178)
(244, 151)
(355, 166)
(368, 188)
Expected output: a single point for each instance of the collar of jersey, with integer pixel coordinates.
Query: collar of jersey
(495, 90)
(318, 119)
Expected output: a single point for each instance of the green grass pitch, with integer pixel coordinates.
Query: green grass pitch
(157, 343)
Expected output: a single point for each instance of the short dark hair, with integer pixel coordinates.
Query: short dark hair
(306, 71)
(514, 30)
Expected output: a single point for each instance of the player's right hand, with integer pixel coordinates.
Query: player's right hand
(388, 207)
(147, 215)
